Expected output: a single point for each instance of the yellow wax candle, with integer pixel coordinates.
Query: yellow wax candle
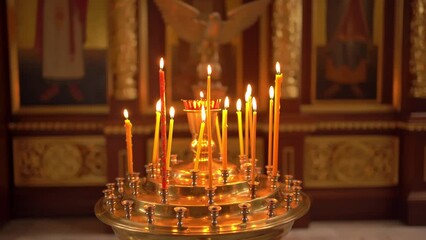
(128, 126)
(250, 112)
(200, 138)
(278, 80)
(209, 127)
(253, 142)
(271, 111)
(169, 143)
(219, 138)
(225, 134)
(240, 127)
(246, 127)
(156, 133)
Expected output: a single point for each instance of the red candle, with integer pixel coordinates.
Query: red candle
(163, 124)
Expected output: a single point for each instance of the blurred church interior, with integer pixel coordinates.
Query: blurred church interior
(353, 105)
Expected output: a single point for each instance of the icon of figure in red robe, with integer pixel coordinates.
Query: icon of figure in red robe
(346, 62)
(59, 40)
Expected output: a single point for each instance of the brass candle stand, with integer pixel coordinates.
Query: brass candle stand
(236, 207)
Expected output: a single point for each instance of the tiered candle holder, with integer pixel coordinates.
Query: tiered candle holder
(189, 209)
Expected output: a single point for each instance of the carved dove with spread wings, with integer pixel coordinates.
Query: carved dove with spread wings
(186, 23)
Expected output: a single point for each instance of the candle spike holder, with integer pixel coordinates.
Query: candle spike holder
(225, 175)
(196, 207)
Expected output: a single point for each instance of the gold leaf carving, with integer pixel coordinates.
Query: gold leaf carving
(351, 161)
(59, 161)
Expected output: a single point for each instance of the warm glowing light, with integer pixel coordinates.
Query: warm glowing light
(209, 69)
(239, 105)
(249, 91)
(158, 106)
(278, 67)
(172, 112)
(247, 96)
(201, 94)
(126, 113)
(226, 104)
(271, 92)
(203, 113)
(161, 63)
(254, 104)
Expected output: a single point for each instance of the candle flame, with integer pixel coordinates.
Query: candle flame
(249, 91)
(161, 63)
(126, 113)
(239, 105)
(271, 92)
(278, 67)
(203, 114)
(226, 104)
(209, 69)
(254, 104)
(247, 96)
(172, 112)
(201, 94)
(158, 106)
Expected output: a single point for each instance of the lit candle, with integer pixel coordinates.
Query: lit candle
(169, 143)
(200, 138)
(271, 111)
(163, 124)
(253, 141)
(240, 127)
(225, 134)
(246, 127)
(156, 133)
(128, 126)
(219, 138)
(278, 80)
(209, 127)
(201, 103)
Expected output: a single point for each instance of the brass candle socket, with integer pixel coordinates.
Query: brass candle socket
(288, 199)
(149, 211)
(194, 177)
(247, 171)
(111, 186)
(214, 214)
(271, 204)
(225, 175)
(120, 185)
(253, 189)
(128, 207)
(268, 170)
(132, 176)
(150, 170)
(243, 160)
(110, 202)
(107, 193)
(163, 193)
(134, 185)
(210, 194)
(297, 190)
(274, 180)
(288, 179)
(245, 210)
(180, 214)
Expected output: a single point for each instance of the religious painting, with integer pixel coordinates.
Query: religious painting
(197, 33)
(347, 50)
(58, 53)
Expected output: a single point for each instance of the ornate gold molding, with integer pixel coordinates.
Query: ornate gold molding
(418, 49)
(287, 42)
(350, 161)
(59, 161)
(124, 48)
(262, 127)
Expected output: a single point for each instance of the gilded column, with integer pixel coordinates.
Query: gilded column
(287, 41)
(123, 48)
(418, 49)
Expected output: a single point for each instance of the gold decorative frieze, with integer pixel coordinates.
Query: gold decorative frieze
(287, 42)
(350, 161)
(418, 49)
(56, 126)
(59, 161)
